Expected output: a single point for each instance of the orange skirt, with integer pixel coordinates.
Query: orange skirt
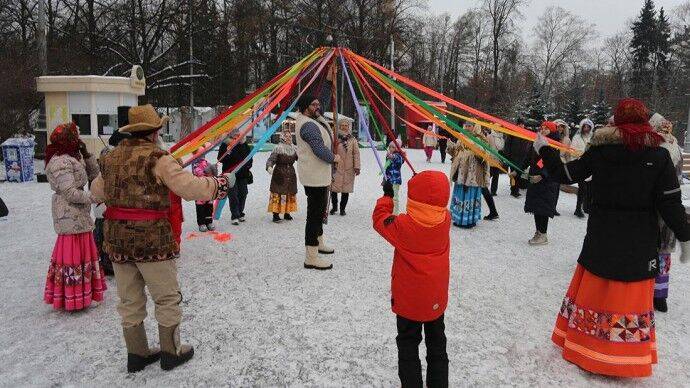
(607, 326)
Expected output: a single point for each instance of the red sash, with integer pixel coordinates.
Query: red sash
(130, 214)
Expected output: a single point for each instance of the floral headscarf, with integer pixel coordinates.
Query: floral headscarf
(64, 140)
(632, 120)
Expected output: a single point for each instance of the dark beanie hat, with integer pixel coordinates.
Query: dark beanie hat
(304, 102)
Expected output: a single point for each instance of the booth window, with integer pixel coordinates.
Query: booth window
(83, 122)
(106, 124)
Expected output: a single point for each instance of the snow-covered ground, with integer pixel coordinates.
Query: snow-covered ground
(256, 317)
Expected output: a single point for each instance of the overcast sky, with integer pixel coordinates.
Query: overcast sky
(609, 16)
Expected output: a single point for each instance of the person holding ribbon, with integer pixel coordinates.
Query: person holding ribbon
(135, 184)
(606, 322)
(315, 163)
(542, 192)
(75, 277)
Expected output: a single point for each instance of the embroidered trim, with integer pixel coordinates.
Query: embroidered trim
(70, 275)
(119, 258)
(631, 328)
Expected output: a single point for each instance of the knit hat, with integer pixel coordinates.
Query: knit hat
(304, 102)
(550, 125)
(429, 187)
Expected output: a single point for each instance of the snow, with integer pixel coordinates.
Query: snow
(256, 317)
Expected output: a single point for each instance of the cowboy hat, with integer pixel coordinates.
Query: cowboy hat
(143, 118)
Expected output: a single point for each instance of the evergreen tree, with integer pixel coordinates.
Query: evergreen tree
(663, 51)
(535, 111)
(643, 46)
(601, 111)
(574, 112)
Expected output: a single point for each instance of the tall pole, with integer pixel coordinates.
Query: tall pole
(42, 34)
(392, 90)
(191, 59)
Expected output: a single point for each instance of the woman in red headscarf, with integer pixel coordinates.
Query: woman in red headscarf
(75, 278)
(606, 322)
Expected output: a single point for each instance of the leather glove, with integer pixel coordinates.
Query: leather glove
(685, 252)
(539, 142)
(388, 189)
(535, 178)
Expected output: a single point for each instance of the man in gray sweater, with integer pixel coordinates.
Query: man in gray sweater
(314, 166)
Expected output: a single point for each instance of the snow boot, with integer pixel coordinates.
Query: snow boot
(203, 228)
(138, 353)
(242, 219)
(323, 248)
(287, 217)
(235, 222)
(539, 239)
(313, 261)
(333, 211)
(660, 305)
(579, 214)
(210, 227)
(173, 354)
(276, 218)
(342, 213)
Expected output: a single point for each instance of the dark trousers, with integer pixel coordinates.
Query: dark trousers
(103, 257)
(237, 197)
(408, 340)
(542, 223)
(489, 200)
(494, 180)
(344, 197)
(204, 214)
(582, 197)
(442, 146)
(317, 200)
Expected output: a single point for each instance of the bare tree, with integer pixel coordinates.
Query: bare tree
(502, 14)
(560, 35)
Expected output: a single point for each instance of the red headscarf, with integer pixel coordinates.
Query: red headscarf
(632, 120)
(64, 140)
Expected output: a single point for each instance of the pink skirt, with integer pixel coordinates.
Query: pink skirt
(75, 277)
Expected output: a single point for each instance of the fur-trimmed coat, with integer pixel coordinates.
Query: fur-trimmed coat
(630, 190)
(467, 168)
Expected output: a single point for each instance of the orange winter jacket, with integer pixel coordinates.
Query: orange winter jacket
(421, 264)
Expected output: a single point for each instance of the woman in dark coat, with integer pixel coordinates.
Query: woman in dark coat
(606, 322)
(237, 196)
(517, 151)
(542, 193)
(280, 165)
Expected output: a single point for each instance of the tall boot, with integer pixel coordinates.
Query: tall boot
(138, 353)
(173, 353)
(323, 248)
(313, 261)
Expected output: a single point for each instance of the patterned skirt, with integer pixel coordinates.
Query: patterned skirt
(466, 205)
(661, 283)
(75, 277)
(282, 203)
(607, 326)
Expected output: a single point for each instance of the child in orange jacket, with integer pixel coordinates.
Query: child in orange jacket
(420, 274)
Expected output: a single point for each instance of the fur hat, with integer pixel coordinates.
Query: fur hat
(143, 118)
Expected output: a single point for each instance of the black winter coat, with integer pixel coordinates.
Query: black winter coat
(629, 191)
(517, 151)
(235, 157)
(542, 197)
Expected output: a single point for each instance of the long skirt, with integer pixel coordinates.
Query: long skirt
(661, 283)
(75, 277)
(607, 326)
(466, 205)
(282, 203)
